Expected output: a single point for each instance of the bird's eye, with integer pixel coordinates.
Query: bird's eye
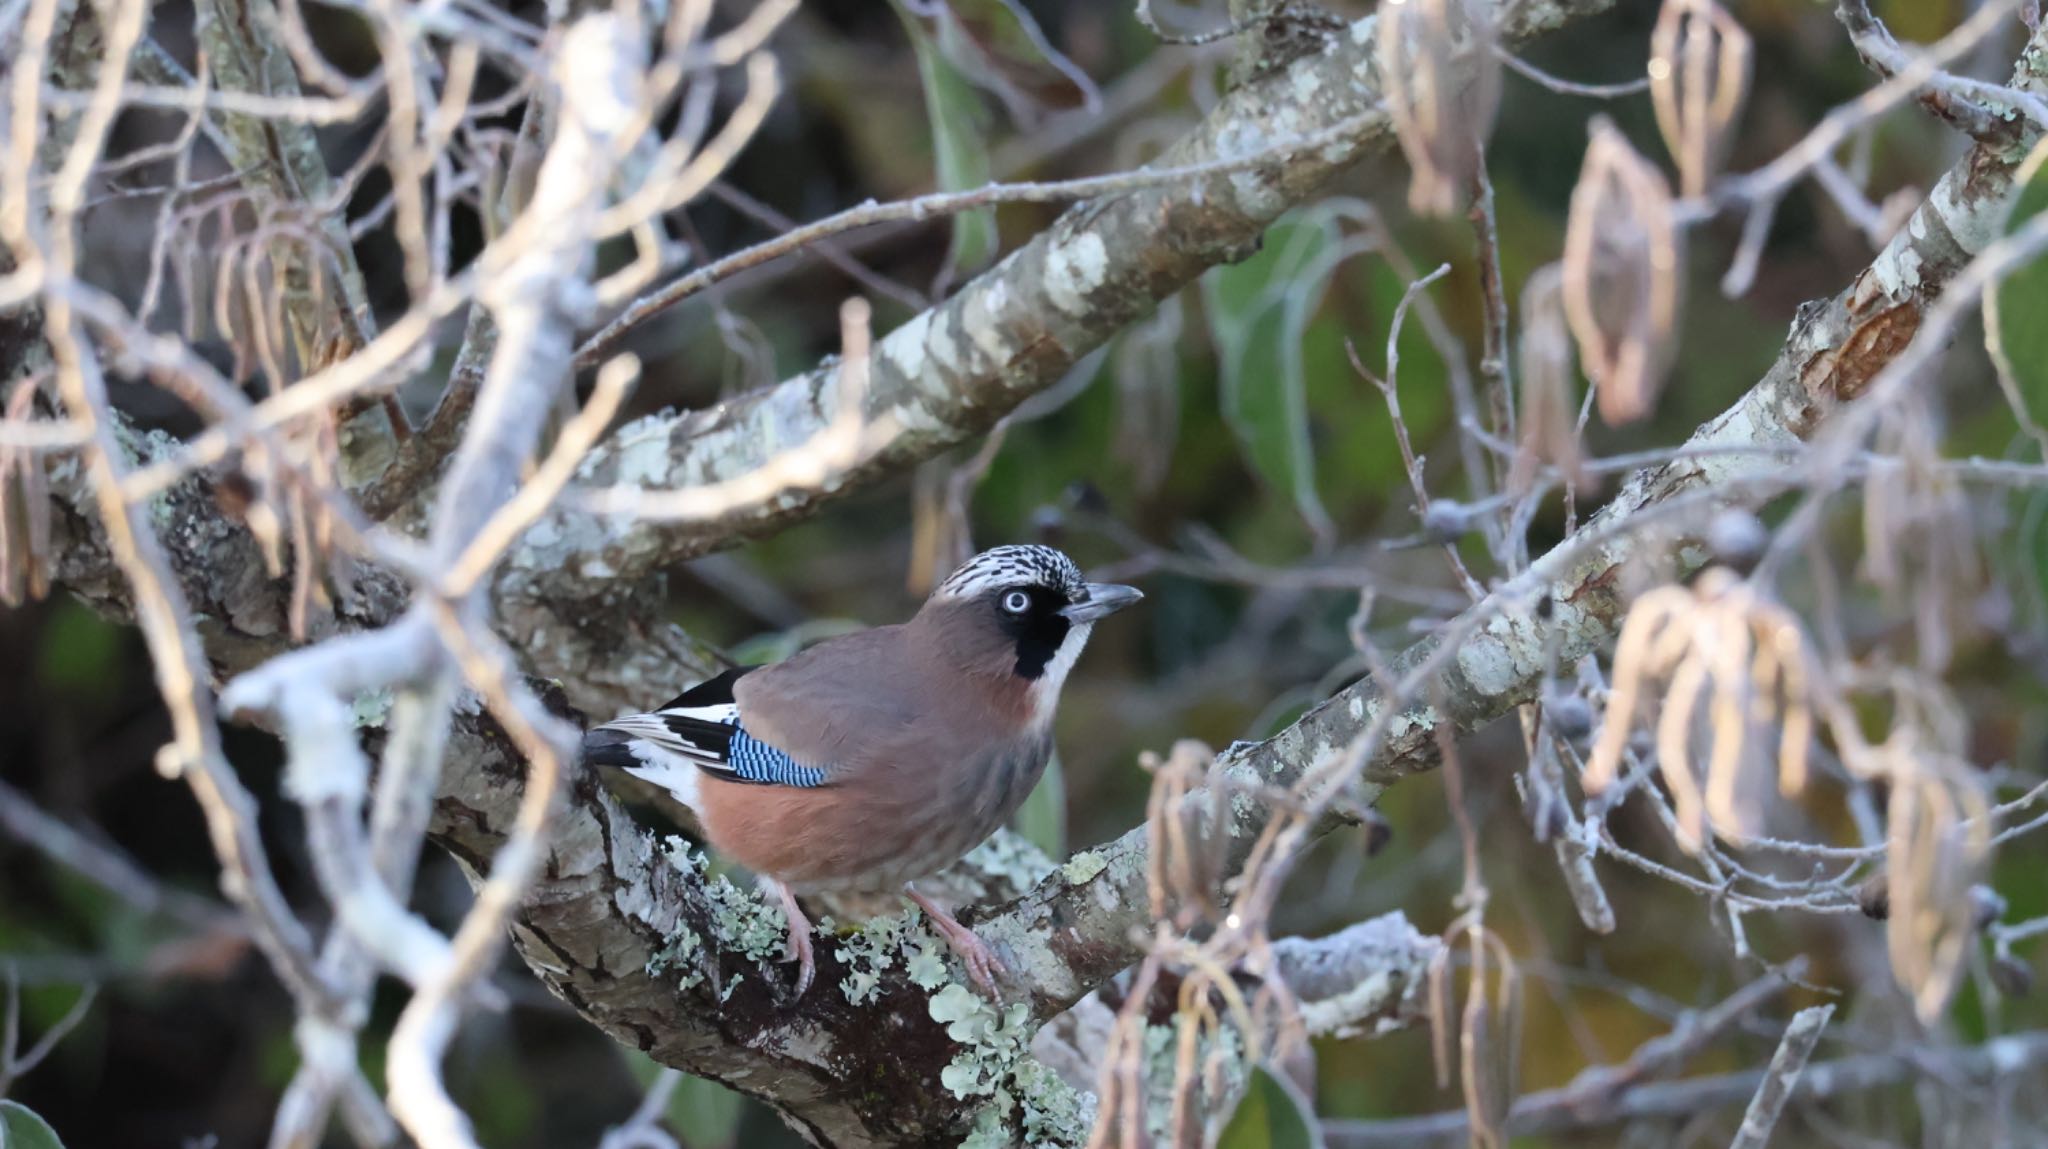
(1016, 602)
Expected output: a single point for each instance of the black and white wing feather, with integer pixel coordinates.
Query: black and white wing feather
(699, 730)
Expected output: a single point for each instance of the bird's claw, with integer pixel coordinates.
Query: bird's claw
(983, 964)
(798, 947)
(799, 951)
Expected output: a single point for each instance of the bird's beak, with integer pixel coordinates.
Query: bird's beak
(1104, 598)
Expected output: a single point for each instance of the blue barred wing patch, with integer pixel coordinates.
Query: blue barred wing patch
(748, 759)
(705, 734)
(699, 732)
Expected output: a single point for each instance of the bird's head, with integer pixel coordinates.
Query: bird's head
(1021, 610)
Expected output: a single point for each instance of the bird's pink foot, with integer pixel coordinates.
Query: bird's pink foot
(798, 949)
(983, 965)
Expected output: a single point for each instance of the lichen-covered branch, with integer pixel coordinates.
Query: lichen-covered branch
(1073, 930)
(949, 373)
(627, 928)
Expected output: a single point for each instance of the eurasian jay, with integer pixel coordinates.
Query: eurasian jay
(875, 759)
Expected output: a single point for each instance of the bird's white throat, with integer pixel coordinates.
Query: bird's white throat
(1045, 690)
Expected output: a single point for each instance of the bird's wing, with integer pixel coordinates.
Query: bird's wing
(701, 728)
(838, 702)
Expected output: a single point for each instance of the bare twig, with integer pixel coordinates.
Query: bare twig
(1541, 1113)
(1781, 1078)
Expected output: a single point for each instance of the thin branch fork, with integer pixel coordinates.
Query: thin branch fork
(1964, 102)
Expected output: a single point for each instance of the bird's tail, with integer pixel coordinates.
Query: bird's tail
(643, 760)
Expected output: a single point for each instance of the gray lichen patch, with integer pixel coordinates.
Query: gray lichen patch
(1073, 269)
(883, 944)
(371, 709)
(683, 952)
(743, 922)
(1083, 867)
(1027, 1103)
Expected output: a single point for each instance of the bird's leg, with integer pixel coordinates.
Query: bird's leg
(799, 946)
(981, 961)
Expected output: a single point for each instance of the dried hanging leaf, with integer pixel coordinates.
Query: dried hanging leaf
(1622, 275)
(1488, 1028)
(1699, 80)
(1549, 411)
(1185, 862)
(1939, 841)
(1727, 670)
(938, 530)
(1442, 82)
(24, 510)
(1920, 530)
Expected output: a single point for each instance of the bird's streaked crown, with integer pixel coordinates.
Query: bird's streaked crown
(1026, 565)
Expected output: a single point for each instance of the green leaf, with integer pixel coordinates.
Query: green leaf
(20, 1128)
(80, 652)
(1016, 61)
(1259, 311)
(1272, 1114)
(959, 143)
(2014, 327)
(1043, 818)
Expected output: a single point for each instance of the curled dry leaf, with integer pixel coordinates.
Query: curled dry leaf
(1622, 277)
(1185, 863)
(1699, 80)
(940, 537)
(1550, 408)
(1938, 826)
(1442, 84)
(1488, 1028)
(1939, 843)
(1732, 667)
(24, 510)
(1920, 534)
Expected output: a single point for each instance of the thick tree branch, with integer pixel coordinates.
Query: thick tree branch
(626, 929)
